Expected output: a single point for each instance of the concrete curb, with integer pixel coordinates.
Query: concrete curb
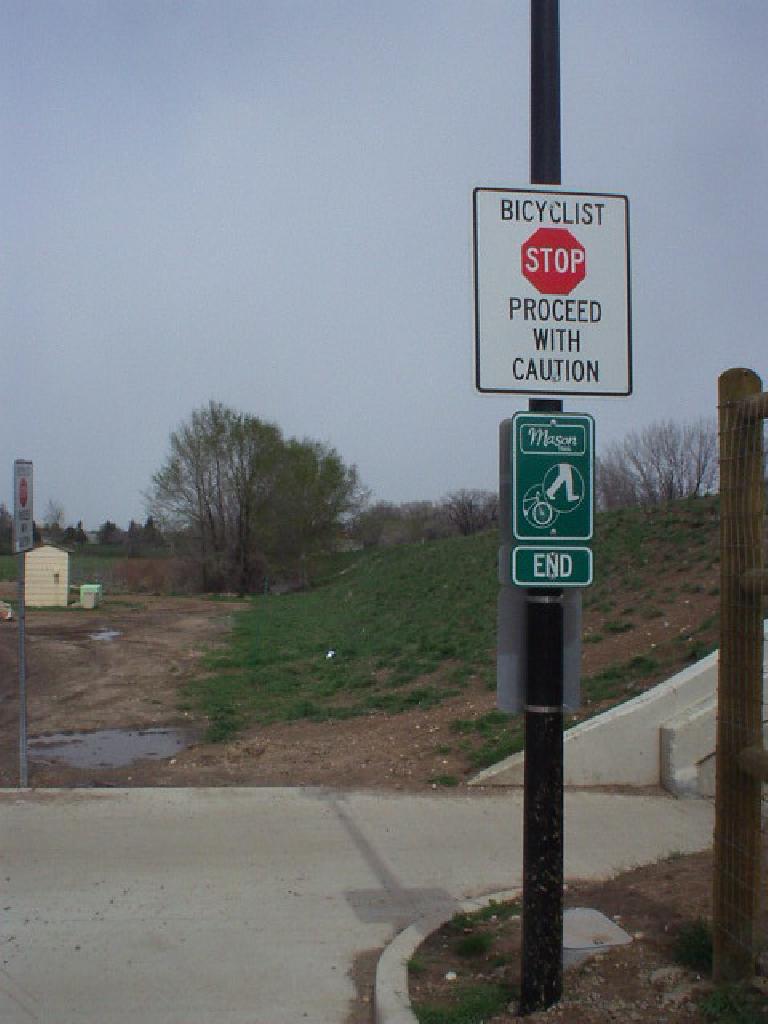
(390, 994)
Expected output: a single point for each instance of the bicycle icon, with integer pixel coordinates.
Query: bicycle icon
(536, 510)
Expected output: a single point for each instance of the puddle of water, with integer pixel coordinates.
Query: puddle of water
(105, 634)
(108, 748)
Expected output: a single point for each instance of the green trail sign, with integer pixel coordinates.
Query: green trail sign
(553, 566)
(552, 477)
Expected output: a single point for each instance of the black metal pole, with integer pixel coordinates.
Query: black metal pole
(545, 92)
(542, 947)
(21, 592)
(543, 808)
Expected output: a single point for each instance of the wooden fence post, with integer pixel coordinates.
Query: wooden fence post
(739, 701)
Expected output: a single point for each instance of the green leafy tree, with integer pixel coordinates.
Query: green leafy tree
(315, 493)
(246, 498)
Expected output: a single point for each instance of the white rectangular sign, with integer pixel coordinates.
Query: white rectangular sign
(552, 292)
(23, 526)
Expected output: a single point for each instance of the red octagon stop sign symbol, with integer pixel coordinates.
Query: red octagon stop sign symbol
(553, 261)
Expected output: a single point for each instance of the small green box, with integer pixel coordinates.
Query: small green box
(90, 595)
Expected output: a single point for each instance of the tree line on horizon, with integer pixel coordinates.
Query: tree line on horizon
(246, 506)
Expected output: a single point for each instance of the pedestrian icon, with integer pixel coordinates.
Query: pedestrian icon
(564, 487)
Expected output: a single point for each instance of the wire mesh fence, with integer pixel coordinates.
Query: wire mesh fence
(741, 759)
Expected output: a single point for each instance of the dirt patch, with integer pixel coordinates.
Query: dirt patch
(119, 666)
(123, 666)
(135, 681)
(637, 982)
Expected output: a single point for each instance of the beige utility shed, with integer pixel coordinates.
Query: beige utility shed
(46, 577)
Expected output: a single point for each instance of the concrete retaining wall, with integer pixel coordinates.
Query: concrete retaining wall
(665, 736)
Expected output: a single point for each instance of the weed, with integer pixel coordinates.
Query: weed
(699, 650)
(490, 738)
(472, 1004)
(488, 724)
(462, 726)
(416, 967)
(444, 780)
(619, 627)
(225, 720)
(609, 682)
(593, 638)
(653, 612)
(642, 665)
(461, 922)
(497, 911)
(733, 1004)
(693, 946)
(493, 750)
(475, 944)
(707, 624)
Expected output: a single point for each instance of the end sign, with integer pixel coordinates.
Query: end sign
(551, 566)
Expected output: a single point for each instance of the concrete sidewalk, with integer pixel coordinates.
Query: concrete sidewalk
(249, 906)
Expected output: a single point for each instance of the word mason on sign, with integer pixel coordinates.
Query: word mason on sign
(552, 292)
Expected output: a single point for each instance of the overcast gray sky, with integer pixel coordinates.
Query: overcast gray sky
(268, 203)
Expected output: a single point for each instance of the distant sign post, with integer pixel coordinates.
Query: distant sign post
(23, 530)
(23, 540)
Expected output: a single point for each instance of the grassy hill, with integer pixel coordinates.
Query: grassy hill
(390, 630)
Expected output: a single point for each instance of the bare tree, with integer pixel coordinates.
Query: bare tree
(6, 529)
(471, 510)
(663, 462)
(370, 524)
(614, 484)
(385, 524)
(54, 514)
